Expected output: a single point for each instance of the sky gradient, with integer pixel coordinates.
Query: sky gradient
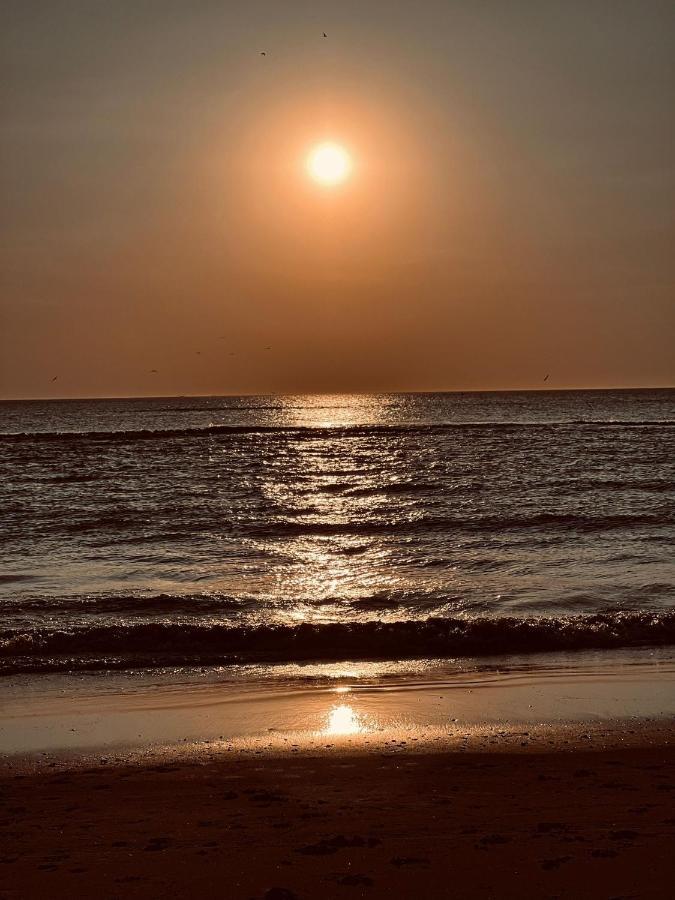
(511, 211)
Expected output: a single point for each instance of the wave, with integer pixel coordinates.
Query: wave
(133, 528)
(133, 435)
(427, 524)
(198, 604)
(396, 487)
(163, 644)
(655, 486)
(195, 605)
(114, 604)
(234, 409)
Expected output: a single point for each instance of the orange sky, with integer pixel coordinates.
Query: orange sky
(510, 212)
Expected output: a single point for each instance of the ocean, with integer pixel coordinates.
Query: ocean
(198, 531)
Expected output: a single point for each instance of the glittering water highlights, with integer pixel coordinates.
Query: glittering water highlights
(189, 531)
(344, 720)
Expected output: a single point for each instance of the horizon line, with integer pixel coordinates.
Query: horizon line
(537, 390)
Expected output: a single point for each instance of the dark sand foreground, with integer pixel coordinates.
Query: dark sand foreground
(506, 822)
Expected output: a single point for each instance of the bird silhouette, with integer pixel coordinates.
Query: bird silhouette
(153, 370)
(55, 377)
(324, 34)
(546, 379)
(262, 53)
(268, 348)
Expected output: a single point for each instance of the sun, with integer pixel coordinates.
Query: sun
(329, 164)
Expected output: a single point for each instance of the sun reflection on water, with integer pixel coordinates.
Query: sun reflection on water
(344, 720)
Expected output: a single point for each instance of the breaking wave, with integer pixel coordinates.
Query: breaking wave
(132, 645)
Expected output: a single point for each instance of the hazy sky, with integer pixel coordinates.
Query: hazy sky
(511, 210)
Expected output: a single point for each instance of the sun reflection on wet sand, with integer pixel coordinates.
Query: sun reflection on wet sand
(344, 720)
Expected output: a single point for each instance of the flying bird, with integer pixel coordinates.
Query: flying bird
(268, 348)
(546, 379)
(262, 53)
(153, 370)
(324, 34)
(55, 377)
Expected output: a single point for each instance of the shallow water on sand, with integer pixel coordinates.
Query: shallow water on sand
(179, 531)
(361, 703)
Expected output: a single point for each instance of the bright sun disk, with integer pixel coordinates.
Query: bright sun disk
(329, 164)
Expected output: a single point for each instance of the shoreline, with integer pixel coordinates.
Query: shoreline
(359, 702)
(504, 739)
(493, 779)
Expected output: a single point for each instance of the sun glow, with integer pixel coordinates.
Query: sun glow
(344, 720)
(329, 164)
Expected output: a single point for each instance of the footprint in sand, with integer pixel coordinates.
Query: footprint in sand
(355, 880)
(332, 845)
(158, 843)
(266, 797)
(548, 827)
(492, 839)
(555, 863)
(400, 861)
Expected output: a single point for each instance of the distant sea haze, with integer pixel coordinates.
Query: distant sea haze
(190, 531)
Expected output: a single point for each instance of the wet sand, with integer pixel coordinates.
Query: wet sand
(144, 710)
(550, 812)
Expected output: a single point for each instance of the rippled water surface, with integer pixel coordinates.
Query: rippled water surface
(324, 527)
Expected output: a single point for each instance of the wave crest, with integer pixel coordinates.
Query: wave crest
(160, 644)
(321, 431)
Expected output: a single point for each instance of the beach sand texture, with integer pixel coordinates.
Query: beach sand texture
(509, 822)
